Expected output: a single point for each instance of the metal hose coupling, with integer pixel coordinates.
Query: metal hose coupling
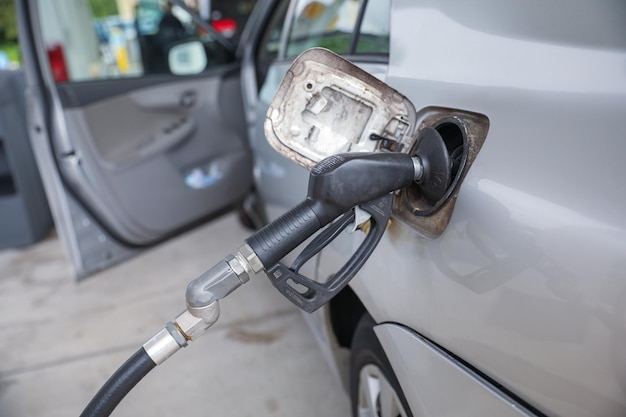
(202, 298)
(223, 278)
(189, 325)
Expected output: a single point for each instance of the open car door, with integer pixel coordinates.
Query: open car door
(136, 120)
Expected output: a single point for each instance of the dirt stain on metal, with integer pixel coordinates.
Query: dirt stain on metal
(272, 405)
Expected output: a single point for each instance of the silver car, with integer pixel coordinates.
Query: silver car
(504, 297)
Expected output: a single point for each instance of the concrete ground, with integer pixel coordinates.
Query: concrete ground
(60, 340)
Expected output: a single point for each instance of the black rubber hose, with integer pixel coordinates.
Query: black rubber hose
(119, 384)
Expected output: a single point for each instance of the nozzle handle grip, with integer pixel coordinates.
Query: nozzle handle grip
(277, 239)
(309, 294)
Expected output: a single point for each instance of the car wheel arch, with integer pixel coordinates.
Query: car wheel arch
(345, 311)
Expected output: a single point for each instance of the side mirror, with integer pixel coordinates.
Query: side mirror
(187, 58)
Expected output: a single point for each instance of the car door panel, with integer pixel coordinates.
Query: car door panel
(425, 367)
(122, 144)
(137, 152)
(137, 158)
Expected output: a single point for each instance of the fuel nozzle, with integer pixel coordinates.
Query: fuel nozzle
(336, 185)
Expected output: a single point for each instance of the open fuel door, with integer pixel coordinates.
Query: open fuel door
(326, 105)
(136, 119)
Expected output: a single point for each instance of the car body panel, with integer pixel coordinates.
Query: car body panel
(423, 368)
(525, 284)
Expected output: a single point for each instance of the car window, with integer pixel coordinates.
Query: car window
(325, 23)
(374, 31)
(333, 24)
(9, 49)
(98, 39)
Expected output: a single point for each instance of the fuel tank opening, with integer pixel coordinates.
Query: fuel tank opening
(442, 149)
(463, 134)
(436, 167)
